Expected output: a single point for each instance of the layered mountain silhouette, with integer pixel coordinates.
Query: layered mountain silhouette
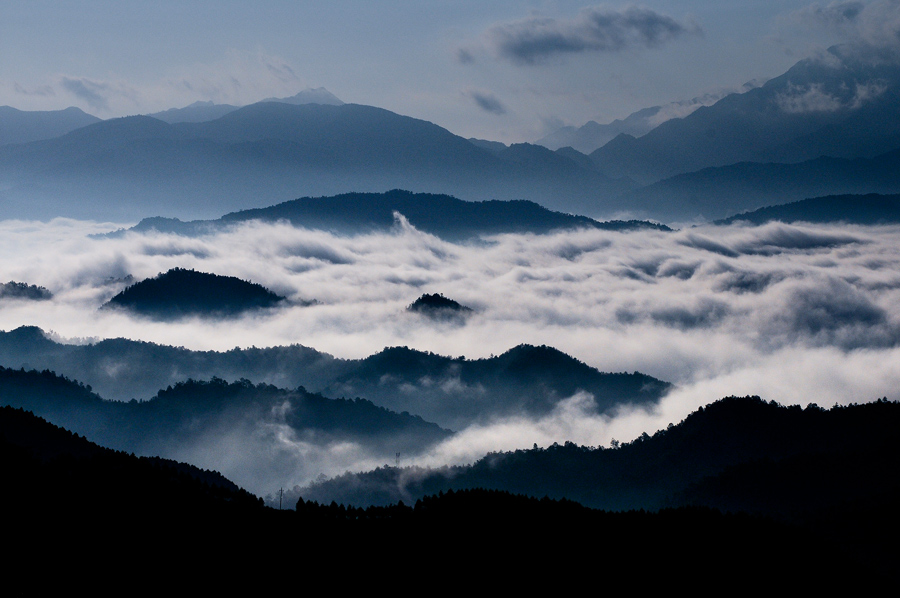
(20, 126)
(205, 111)
(442, 215)
(251, 432)
(840, 105)
(63, 489)
(825, 471)
(716, 193)
(453, 392)
(871, 209)
(457, 392)
(826, 126)
(179, 293)
(711, 458)
(262, 153)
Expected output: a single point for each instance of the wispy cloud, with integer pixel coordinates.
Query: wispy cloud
(596, 29)
(486, 101)
(873, 28)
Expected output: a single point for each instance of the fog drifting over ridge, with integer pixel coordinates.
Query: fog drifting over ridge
(793, 313)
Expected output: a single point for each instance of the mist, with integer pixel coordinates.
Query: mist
(797, 314)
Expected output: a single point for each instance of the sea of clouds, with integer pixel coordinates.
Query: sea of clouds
(797, 314)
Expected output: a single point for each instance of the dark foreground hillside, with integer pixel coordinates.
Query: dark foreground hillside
(188, 530)
(833, 471)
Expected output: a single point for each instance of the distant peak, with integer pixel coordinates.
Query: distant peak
(309, 95)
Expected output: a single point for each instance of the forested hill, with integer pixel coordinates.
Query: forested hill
(180, 292)
(458, 391)
(868, 209)
(91, 503)
(451, 391)
(252, 433)
(697, 461)
(190, 410)
(442, 215)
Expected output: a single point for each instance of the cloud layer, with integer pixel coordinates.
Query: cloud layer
(793, 313)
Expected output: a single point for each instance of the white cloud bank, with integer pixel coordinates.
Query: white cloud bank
(795, 314)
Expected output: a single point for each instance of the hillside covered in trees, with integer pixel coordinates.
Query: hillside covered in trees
(180, 292)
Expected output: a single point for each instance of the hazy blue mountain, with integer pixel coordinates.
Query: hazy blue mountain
(205, 111)
(450, 391)
(715, 193)
(122, 369)
(250, 432)
(456, 392)
(592, 135)
(197, 112)
(868, 209)
(179, 293)
(442, 215)
(492, 146)
(20, 126)
(837, 105)
(257, 155)
(319, 95)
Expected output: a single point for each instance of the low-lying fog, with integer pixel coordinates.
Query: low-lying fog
(793, 313)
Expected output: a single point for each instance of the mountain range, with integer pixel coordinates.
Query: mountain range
(20, 126)
(870, 209)
(124, 509)
(260, 154)
(252, 432)
(839, 105)
(441, 215)
(829, 125)
(454, 392)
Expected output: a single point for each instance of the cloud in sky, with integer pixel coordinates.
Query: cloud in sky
(486, 101)
(238, 78)
(596, 29)
(872, 27)
(93, 92)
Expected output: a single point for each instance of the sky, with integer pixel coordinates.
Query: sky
(502, 70)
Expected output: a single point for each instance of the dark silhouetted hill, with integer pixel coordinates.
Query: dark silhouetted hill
(457, 392)
(687, 463)
(251, 432)
(21, 290)
(180, 292)
(438, 307)
(453, 392)
(440, 215)
(63, 490)
(871, 209)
